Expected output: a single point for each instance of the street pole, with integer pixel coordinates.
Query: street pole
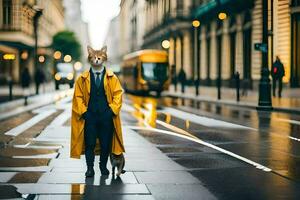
(219, 84)
(222, 16)
(38, 13)
(264, 100)
(196, 24)
(196, 59)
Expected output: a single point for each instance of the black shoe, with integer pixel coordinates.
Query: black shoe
(89, 172)
(104, 170)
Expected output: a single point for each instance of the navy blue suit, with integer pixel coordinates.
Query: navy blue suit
(98, 123)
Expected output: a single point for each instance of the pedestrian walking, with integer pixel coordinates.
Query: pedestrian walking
(245, 86)
(277, 75)
(182, 79)
(39, 78)
(25, 82)
(96, 105)
(174, 77)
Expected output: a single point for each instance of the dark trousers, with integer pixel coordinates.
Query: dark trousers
(279, 86)
(102, 129)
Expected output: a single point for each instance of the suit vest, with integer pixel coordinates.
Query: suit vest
(98, 102)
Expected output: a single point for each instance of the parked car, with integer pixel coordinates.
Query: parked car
(64, 74)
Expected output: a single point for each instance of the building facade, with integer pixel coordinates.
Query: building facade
(74, 22)
(17, 34)
(113, 44)
(224, 44)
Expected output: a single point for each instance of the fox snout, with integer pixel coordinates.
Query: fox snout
(98, 60)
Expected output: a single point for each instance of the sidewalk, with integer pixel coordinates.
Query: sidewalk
(15, 107)
(290, 101)
(17, 91)
(149, 173)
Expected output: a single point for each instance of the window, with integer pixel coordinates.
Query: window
(7, 4)
(155, 71)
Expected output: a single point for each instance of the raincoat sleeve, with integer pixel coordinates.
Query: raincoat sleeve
(78, 104)
(117, 92)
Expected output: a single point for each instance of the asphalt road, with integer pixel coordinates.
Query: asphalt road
(233, 153)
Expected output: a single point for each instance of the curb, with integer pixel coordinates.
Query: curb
(33, 103)
(231, 103)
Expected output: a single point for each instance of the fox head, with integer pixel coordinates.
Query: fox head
(97, 57)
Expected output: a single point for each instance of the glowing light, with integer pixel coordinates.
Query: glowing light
(68, 58)
(41, 59)
(70, 76)
(165, 44)
(9, 56)
(78, 66)
(222, 16)
(57, 55)
(24, 55)
(57, 76)
(196, 23)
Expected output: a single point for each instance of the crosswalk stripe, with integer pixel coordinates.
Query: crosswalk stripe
(26, 125)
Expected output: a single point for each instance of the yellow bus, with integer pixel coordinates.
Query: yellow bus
(145, 71)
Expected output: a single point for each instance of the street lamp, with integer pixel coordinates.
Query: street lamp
(41, 59)
(67, 58)
(77, 66)
(57, 55)
(37, 15)
(196, 24)
(222, 16)
(165, 44)
(264, 99)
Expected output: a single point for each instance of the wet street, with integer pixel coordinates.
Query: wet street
(174, 150)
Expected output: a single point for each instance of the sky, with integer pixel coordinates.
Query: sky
(98, 13)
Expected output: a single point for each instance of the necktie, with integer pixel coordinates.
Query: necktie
(97, 79)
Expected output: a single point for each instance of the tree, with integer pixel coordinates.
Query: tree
(67, 43)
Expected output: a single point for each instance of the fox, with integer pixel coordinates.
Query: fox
(97, 57)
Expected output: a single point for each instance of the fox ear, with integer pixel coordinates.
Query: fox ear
(104, 49)
(90, 49)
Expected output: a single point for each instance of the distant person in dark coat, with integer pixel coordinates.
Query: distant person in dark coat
(277, 75)
(38, 78)
(182, 79)
(25, 82)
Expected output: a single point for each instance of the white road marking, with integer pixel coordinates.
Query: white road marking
(6, 176)
(288, 120)
(49, 156)
(60, 120)
(205, 121)
(38, 147)
(199, 141)
(293, 138)
(26, 125)
(26, 169)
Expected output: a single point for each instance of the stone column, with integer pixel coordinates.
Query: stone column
(187, 54)
(171, 51)
(178, 54)
(239, 46)
(225, 63)
(213, 52)
(203, 54)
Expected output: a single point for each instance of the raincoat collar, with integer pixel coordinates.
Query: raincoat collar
(86, 73)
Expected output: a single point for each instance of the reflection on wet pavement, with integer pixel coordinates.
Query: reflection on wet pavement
(201, 138)
(272, 140)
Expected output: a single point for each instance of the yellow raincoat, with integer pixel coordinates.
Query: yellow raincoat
(113, 91)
